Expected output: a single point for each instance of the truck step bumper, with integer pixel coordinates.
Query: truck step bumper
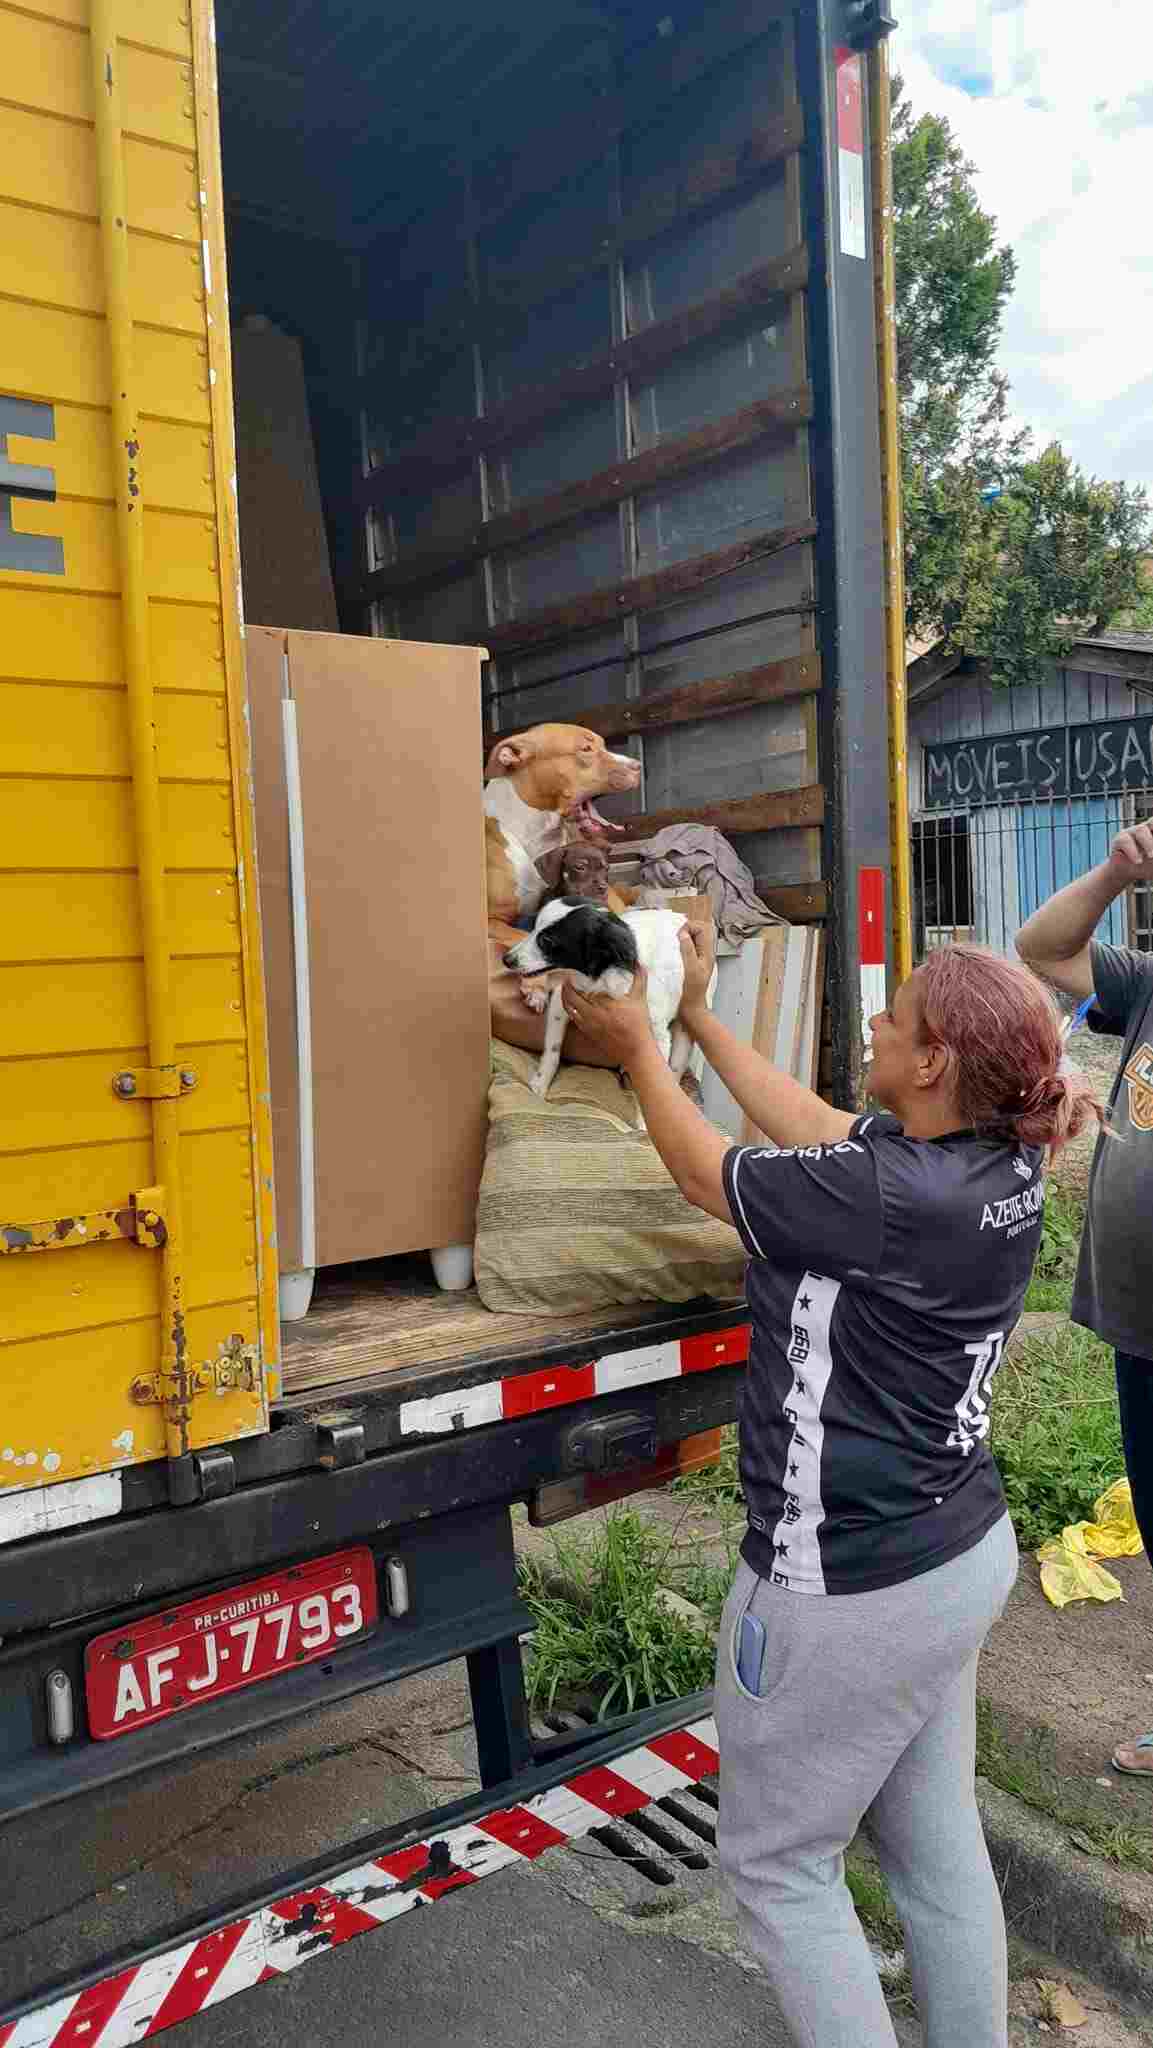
(317, 1906)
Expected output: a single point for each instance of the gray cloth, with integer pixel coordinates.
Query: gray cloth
(867, 1714)
(1112, 1294)
(700, 861)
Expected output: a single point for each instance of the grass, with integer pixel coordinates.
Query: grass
(1055, 1431)
(875, 1909)
(1020, 1768)
(604, 1638)
(602, 1631)
(878, 1916)
(716, 1487)
(1052, 1284)
(707, 1585)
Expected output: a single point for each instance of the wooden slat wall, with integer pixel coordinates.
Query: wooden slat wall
(591, 453)
(447, 445)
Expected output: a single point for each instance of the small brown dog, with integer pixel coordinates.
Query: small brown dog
(581, 870)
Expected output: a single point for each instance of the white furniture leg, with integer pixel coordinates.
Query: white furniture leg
(452, 1265)
(296, 1294)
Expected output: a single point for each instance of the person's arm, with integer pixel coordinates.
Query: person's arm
(785, 1110)
(691, 1149)
(515, 1024)
(1055, 942)
(817, 1202)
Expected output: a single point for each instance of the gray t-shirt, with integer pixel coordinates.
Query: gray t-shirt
(1114, 1289)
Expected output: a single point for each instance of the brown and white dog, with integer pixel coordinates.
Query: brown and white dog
(581, 869)
(539, 791)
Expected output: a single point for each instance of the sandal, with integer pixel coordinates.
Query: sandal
(1135, 1758)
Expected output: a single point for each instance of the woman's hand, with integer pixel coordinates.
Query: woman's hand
(618, 1026)
(698, 952)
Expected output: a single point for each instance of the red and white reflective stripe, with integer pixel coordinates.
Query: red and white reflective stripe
(530, 1393)
(138, 2002)
(871, 944)
(851, 152)
(35, 1511)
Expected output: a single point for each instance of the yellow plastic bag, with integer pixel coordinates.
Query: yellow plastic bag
(1069, 1570)
(1113, 1531)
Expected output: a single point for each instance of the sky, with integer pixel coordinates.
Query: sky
(1052, 101)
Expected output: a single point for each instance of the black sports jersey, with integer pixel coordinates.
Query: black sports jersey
(885, 1275)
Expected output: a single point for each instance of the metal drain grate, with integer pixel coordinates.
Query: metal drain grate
(632, 1841)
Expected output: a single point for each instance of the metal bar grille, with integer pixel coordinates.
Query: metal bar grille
(979, 872)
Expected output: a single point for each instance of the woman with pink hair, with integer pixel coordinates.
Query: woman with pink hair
(889, 1255)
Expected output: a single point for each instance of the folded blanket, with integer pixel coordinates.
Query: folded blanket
(700, 861)
(577, 1211)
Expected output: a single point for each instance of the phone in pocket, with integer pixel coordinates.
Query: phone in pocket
(751, 1653)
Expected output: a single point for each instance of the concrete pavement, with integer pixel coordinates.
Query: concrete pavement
(576, 1950)
(516, 1964)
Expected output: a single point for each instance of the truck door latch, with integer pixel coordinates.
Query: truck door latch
(235, 1371)
(140, 1220)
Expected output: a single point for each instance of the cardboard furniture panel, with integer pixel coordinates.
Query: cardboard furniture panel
(284, 545)
(389, 740)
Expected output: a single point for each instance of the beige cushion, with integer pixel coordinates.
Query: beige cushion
(576, 1209)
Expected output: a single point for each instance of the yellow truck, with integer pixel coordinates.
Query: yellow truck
(595, 307)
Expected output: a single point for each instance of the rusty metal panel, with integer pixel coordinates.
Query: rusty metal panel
(563, 682)
(586, 557)
(722, 110)
(568, 329)
(768, 487)
(705, 384)
(690, 263)
(576, 446)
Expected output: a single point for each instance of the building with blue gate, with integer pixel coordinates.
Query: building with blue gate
(1013, 792)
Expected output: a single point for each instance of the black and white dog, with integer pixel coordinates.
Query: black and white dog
(600, 952)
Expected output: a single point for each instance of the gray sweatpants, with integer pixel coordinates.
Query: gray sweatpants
(868, 1713)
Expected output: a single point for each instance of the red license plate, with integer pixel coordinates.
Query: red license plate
(197, 1652)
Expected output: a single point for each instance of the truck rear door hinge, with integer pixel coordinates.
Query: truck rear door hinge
(868, 22)
(152, 1084)
(235, 1371)
(140, 1220)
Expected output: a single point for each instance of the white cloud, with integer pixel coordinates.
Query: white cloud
(1054, 105)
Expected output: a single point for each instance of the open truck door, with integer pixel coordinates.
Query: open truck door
(136, 1199)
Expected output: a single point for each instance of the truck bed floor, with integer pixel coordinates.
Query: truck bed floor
(388, 1316)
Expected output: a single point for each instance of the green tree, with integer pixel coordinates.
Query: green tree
(1137, 617)
(1009, 556)
(952, 279)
